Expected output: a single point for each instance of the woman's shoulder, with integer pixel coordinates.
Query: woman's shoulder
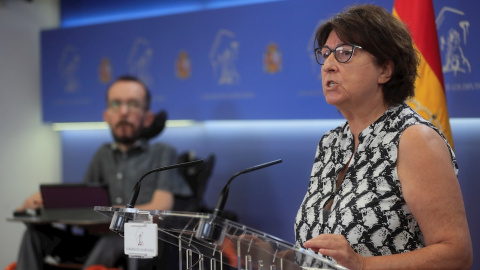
(421, 133)
(337, 135)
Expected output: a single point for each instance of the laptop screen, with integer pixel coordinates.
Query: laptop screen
(57, 196)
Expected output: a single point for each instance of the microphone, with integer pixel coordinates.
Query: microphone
(222, 199)
(117, 223)
(213, 232)
(136, 188)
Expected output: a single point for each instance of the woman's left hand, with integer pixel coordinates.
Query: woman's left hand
(336, 247)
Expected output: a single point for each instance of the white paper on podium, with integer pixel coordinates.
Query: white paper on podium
(141, 240)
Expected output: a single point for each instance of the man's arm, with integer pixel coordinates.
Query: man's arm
(163, 197)
(161, 200)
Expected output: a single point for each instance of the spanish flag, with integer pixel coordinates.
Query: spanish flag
(430, 99)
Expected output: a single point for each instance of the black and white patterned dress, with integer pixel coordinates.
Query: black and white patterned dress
(369, 208)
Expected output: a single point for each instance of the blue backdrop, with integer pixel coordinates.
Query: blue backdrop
(248, 62)
(212, 65)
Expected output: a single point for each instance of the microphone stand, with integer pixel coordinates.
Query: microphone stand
(211, 231)
(117, 224)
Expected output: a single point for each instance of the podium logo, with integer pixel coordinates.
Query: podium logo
(139, 237)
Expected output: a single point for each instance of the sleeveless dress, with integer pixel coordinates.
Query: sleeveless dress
(369, 208)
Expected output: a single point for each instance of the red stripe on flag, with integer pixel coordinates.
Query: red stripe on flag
(420, 18)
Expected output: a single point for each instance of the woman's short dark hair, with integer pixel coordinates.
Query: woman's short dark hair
(378, 32)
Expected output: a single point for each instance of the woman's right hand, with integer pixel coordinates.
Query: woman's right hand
(338, 248)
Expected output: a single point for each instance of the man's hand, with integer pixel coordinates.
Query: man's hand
(33, 202)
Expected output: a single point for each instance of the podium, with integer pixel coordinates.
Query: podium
(208, 242)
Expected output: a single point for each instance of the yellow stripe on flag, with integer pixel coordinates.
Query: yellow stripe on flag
(430, 99)
(429, 102)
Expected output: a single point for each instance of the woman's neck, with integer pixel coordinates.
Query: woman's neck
(360, 118)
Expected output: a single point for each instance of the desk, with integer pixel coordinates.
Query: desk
(86, 219)
(76, 237)
(74, 216)
(87, 226)
(73, 222)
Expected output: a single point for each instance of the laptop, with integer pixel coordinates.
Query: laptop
(73, 202)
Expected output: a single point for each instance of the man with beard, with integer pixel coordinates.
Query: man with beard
(119, 165)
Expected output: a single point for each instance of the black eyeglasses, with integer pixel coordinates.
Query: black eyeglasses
(132, 105)
(343, 53)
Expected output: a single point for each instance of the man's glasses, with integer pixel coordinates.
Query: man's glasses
(132, 105)
(343, 53)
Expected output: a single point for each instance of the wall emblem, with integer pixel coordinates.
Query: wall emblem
(105, 70)
(223, 57)
(140, 60)
(272, 59)
(452, 41)
(68, 68)
(183, 65)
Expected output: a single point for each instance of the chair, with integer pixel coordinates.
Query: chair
(196, 177)
(156, 127)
